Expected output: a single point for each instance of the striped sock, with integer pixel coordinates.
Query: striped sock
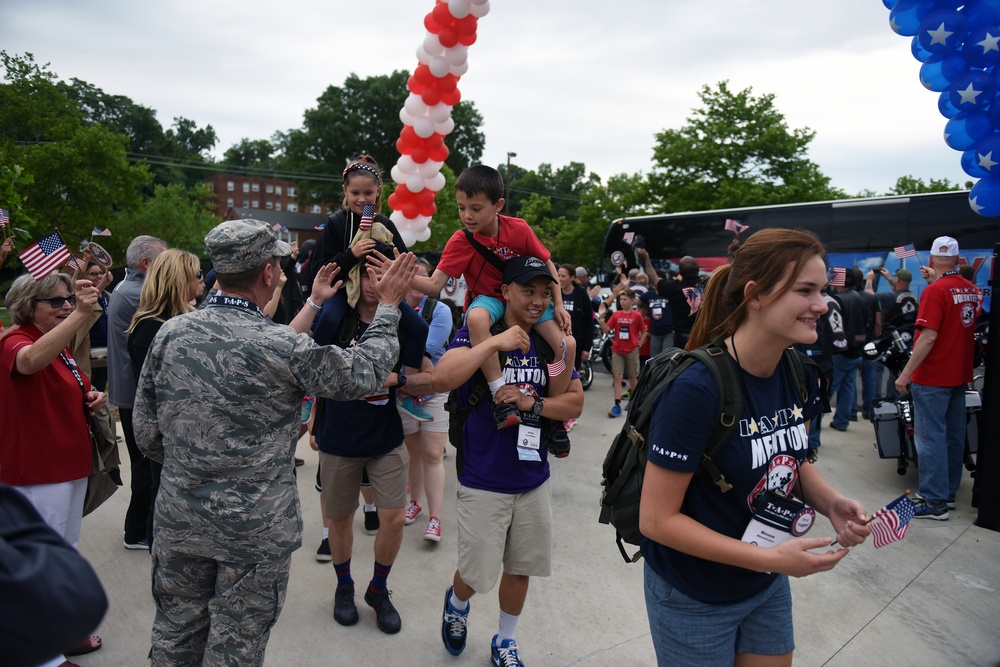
(343, 571)
(379, 577)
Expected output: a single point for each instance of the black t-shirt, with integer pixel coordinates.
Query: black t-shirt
(660, 314)
(685, 299)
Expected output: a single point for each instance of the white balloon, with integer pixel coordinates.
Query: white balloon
(430, 168)
(424, 127)
(414, 183)
(476, 3)
(422, 56)
(405, 117)
(432, 45)
(415, 106)
(459, 8)
(445, 127)
(457, 54)
(424, 235)
(460, 70)
(421, 221)
(481, 9)
(439, 66)
(399, 220)
(408, 237)
(406, 164)
(397, 174)
(437, 183)
(439, 113)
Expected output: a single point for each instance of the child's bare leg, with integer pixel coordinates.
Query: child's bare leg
(479, 323)
(550, 332)
(616, 386)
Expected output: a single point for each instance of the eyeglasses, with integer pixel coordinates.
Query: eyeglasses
(56, 302)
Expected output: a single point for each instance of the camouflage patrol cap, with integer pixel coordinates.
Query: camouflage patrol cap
(236, 246)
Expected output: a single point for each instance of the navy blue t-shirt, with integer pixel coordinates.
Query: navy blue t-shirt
(660, 317)
(367, 427)
(765, 452)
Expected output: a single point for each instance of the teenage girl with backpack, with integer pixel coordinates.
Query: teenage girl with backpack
(717, 563)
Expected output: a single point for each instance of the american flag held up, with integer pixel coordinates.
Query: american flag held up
(45, 256)
(904, 251)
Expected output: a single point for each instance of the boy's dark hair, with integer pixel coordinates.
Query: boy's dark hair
(481, 179)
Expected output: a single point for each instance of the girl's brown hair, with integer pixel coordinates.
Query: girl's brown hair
(763, 258)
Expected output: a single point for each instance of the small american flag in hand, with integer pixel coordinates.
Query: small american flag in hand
(367, 217)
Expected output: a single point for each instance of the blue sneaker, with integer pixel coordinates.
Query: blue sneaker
(454, 625)
(408, 406)
(927, 510)
(616, 411)
(505, 655)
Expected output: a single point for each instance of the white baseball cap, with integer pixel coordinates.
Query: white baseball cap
(944, 246)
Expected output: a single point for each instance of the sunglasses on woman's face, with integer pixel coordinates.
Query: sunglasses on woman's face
(56, 302)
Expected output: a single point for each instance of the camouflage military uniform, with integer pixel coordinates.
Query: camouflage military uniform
(218, 404)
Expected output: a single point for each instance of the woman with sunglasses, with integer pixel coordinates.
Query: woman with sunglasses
(94, 338)
(174, 281)
(45, 450)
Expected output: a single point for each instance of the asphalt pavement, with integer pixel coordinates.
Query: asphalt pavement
(932, 599)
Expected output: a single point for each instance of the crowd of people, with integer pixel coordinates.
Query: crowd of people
(215, 378)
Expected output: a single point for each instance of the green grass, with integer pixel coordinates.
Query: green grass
(4, 317)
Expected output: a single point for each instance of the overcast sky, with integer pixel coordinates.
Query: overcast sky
(555, 80)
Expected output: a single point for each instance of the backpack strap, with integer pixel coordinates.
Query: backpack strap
(798, 362)
(428, 312)
(490, 258)
(726, 378)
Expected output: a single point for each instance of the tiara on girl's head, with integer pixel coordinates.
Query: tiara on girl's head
(361, 165)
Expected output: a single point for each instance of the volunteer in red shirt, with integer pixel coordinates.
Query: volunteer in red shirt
(628, 333)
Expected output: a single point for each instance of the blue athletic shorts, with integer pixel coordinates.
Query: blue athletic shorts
(688, 632)
(495, 307)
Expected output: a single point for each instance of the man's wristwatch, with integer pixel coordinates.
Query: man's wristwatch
(536, 409)
(400, 380)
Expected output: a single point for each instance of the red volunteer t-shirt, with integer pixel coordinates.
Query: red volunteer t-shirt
(625, 331)
(950, 306)
(515, 239)
(44, 438)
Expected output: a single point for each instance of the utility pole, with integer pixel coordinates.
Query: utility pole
(506, 202)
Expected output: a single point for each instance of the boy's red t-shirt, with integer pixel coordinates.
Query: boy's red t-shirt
(625, 331)
(515, 239)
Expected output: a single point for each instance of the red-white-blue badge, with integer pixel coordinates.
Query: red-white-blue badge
(803, 521)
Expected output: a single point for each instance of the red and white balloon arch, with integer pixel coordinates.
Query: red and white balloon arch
(426, 114)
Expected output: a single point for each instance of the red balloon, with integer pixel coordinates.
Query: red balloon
(415, 86)
(432, 25)
(448, 36)
(423, 75)
(447, 83)
(393, 200)
(408, 136)
(466, 26)
(431, 96)
(419, 154)
(452, 98)
(438, 154)
(434, 141)
(410, 210)
(428, 210)
(466, 40)
(442, 15)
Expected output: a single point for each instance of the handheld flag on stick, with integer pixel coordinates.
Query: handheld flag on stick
(320, 228)
(4, 217)
(627, 237)
(45, 256)
(77, 264)
(904, 251)
(367, 217)
(735, 227)
(280, 228)
(838, 276)
(889, 524)
(98, 232)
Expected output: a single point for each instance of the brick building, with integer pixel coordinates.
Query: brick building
(234, 191)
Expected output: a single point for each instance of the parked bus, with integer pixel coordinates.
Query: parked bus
(857, 232)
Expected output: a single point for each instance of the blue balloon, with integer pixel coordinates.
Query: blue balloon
(970, 164)
(918, 51)
(973, 90)
(964, 130)
(943, 31)
(986, 156)
(985, 197)
(981, 13)
(940, 71)
(907, 15)
(982, 47)
(947, 109)
(889, 4)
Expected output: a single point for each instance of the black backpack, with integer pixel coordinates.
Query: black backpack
(625, 463)
(459, 414)
(456, 317)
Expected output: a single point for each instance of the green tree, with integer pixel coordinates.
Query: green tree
(736, 150)
(250, 154)
(79, 172)
(179, 215)
(909, 185)
(362, 117)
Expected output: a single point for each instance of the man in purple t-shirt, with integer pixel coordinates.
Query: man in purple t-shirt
(504, 500)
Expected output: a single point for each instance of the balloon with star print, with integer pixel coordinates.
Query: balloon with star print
(982, 47)
(943, 31)
(941, 70)
(907, 15)
(972, 90)
(984, 198)
(966, 129)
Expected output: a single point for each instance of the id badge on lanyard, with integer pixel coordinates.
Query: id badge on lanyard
(777, 519)
(623, 332)
(529, 438)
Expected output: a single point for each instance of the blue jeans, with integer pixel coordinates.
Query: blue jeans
(882, 387)
(867, 388)
(815, 426)
(688, 632)
(939, 436)
(844, 387)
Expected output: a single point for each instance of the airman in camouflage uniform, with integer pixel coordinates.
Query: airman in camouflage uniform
(218, 404)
